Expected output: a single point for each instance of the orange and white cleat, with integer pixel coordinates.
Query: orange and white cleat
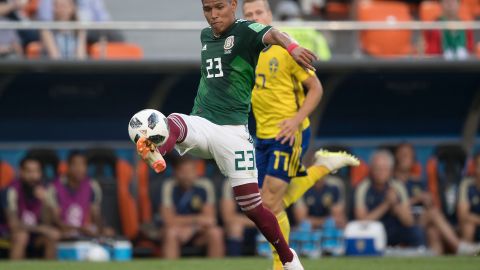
(150, 154)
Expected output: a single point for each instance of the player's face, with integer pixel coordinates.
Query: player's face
(64, 10)
(186, 173)
(258, 12)
(77, 169)
(220, 14)
(31, 173)
(381, 169)
(405, 157)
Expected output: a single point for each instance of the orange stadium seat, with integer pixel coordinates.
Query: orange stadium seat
(470, 167)
(116, 51)
(34, 50)
(357, 174)
(7, 174)
(385, 43)
(430, 11)
(126, 202)
(144, 201)
(472, 6)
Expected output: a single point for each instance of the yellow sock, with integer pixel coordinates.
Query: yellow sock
(299, 185)
(285, 228)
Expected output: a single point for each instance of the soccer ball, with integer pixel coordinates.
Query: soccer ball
(150, 124)
(97, 253)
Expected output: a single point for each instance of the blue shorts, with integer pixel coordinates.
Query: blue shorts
(281, 160)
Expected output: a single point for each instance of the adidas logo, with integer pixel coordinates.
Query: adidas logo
(204, 47)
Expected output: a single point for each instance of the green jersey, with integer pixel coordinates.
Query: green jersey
(228, 72)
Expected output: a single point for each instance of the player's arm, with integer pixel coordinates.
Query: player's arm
(290, 126)
(402, 208)
(302, 56)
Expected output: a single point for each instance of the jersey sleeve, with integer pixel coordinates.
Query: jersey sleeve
(463, 191)
(96, 196)
(166, 197)
(299, 72)
(207, 185)
(12, 198)
(255, 33)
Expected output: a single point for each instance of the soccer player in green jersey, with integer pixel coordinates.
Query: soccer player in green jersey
(217, 127)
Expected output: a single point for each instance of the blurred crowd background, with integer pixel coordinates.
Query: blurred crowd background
(406, 102)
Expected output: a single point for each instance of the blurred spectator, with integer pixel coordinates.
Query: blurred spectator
(438, 230)
(323, 201)
(87, 11)
(308, 37)
(188, 212)
(64, 43)
(385, 199)
(75, 200)
(469, 205)
(10, 46)
(27, 215)
(452, 44)
(14, 10)
(235, 222)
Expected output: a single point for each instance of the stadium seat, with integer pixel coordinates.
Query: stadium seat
(116, 51)
(144, 202)
(337, 10)
(7, 174)
(385, 43)
(50, 162)
(444, 173)
(472, 7)
(34, 50)
(430, 11)
(115, 177)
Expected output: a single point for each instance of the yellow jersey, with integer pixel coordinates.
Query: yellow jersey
(278, 91)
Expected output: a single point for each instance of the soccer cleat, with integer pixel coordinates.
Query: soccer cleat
(468, 249)
(295, 264)
(150, 155)
(335, 160)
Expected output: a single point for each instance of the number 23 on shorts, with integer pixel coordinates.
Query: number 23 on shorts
(245, 160)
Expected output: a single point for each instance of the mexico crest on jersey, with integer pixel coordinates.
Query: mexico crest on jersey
(229, 43)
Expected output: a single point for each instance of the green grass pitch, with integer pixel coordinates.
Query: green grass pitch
(440, 263)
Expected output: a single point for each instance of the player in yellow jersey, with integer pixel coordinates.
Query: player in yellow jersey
(281, 112)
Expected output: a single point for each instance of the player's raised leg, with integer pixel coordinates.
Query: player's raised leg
(177, 132)
(325, 163)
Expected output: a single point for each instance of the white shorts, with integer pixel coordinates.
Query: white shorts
(230, 146)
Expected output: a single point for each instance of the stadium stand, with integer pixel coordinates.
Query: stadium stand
(115, 51)
(395, 43)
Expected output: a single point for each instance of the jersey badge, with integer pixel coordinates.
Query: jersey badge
(229, 43)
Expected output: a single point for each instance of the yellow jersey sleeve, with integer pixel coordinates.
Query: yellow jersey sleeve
(299, 72)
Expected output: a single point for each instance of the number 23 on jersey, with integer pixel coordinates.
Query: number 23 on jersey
(214, 67)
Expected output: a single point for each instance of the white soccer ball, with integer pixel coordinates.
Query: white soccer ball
(150, 124)
(97, 253)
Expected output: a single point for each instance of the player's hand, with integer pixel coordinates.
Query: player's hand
(304, 57)
(144, 146)
(391, 197)
(204, 221)
(40, 192)
(288, 128)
